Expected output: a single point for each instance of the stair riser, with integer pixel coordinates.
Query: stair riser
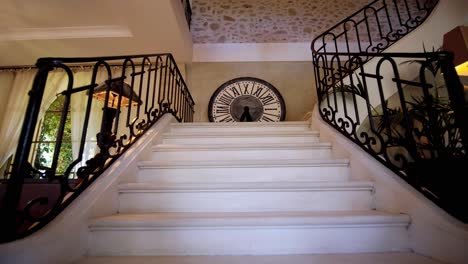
(241, 154)
(240, 140)
(249, 241)
(241, 129)
(245, 201)
(265, 174)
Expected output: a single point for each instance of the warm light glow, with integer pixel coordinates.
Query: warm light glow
(456, 41)
(114, 99)
(462, 69)
(116, 89)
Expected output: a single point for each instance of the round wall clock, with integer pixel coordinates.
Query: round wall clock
(246, 99)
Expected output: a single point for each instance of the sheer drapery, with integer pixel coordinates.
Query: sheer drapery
(6, 81)
(57, 82)
(13, 118)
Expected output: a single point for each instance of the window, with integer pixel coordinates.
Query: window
(44, 142)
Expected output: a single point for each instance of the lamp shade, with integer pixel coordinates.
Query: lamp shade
(115, 89)
(456, 41)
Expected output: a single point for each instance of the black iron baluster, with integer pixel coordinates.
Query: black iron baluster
(389, 20)
(90, 88)
(177, 105)
(20, 169)
(173, 97)
(351, 81)
(456, 95)
(369, 35)
(153, 68)
(411, 143)
(398, 149)
(397, 9)
(130, 123)
(61, 127)
(163, 99)
(173, 85)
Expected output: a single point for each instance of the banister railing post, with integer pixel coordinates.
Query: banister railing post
(21, 168)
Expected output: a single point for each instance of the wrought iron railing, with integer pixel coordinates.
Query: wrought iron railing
(374, 28)
(407, 110)
(112, 102)
(188, 11)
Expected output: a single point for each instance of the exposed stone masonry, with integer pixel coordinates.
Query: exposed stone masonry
(266, 21)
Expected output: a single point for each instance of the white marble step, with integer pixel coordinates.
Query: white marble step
(244, 170)
(239, 127)
(245, 197)
(241, 151)
(248, 233)
(230, 137)
(363, 258)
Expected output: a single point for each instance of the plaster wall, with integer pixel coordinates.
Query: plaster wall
(294, 80)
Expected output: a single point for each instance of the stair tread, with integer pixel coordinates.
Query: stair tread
(245, 163)
(242, 124)
(362, 258)
(253, 146)
(248, 186)
(207, 219)
(240, 134)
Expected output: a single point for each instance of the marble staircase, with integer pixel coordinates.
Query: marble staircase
(258, 189)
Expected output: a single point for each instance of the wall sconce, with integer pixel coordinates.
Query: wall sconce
(456, 41)
(116, 88)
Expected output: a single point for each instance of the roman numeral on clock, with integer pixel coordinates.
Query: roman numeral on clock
(235, 91)
(227, 119)
(246, 99)
(266, 100)
(267, 119)
(222, 109)
(226, 99)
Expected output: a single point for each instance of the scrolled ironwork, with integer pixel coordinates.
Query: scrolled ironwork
(375, 27)
(407, 110)
(404, 115)
(131, 92)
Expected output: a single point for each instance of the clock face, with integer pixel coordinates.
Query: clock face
(246, 99)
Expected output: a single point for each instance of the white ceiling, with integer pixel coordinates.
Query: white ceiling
(30, 29)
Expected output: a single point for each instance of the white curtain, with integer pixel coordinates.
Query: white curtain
(57, 82)
(13, 118)
(6, 81)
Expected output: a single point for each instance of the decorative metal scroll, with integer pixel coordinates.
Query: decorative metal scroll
(407, 110)
(121, 98)
(374, 28)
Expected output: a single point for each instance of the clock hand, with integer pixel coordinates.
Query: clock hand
(246, 117)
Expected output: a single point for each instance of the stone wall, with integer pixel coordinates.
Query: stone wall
(264, 21)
